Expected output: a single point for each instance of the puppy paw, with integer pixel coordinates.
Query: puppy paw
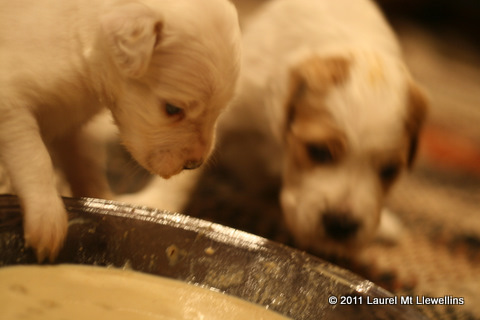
(391, 227)
(45, 229)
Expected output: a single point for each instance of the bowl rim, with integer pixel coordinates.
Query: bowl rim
(253, 245)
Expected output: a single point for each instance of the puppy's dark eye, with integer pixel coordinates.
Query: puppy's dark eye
(389, 173)
(172, 110)
(320, 154)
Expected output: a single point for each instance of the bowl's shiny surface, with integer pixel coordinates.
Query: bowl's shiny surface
(288, 281)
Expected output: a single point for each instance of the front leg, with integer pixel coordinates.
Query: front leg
(29, 166)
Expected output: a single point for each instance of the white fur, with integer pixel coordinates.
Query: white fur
(62, 61)
(370, 109)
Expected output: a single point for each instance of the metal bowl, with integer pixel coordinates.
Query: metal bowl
(172, 245)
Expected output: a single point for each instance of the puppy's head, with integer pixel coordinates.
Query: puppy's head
(178, 62)
(350, 128)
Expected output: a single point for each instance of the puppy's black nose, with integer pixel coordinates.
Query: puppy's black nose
(192, 164)
(340, 226)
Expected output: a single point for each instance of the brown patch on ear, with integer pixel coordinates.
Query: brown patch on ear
(296, 87)
(316, 74)
(417, 109)
(319, 74)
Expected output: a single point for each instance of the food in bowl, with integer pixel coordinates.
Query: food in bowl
(91, 292)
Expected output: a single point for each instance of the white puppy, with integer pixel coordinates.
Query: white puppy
(165, 69)
(329, 78)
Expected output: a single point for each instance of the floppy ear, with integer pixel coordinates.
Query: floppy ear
(416, 115)
(296, 88)
(317, 74)
(132, 32)
(321, 73)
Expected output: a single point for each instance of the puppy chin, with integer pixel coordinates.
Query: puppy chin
(309, 233)
(164, 163)
(326, 247)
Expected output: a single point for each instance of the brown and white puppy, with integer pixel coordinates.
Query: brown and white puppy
(165, 68)
(329, 78)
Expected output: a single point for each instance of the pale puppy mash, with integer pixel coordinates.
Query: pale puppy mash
(77, 292)
(165, 69)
